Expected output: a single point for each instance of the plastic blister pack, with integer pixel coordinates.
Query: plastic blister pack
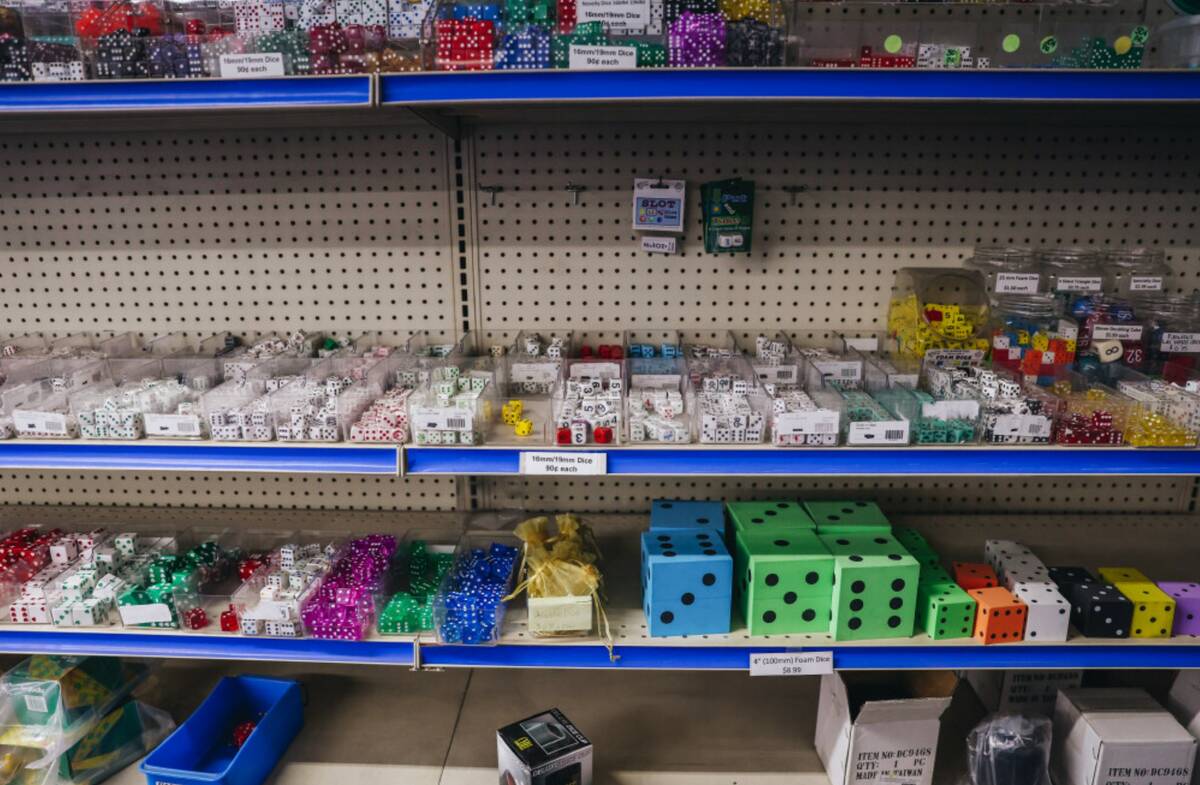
(1009, 749)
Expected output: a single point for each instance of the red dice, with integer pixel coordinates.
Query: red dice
(562, 436)
(195, 619)
(602, 435)
(242, 732)
(229, 620)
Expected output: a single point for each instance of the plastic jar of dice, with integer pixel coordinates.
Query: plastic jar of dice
(457, 406)
(660, 403)
(1007, 269)
(938, 309)
(37, 42)
(1111, 332)
(1172, 332)
(1030, 336)
(469, 607)
(1091, 413)
(589, 403)
(420, 565)
(1072, 274)
(1134, 272)
(1168, 415)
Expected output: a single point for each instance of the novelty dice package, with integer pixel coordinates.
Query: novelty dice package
(545, 749)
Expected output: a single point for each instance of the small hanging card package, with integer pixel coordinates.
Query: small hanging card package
(728, 215)
(658, 204)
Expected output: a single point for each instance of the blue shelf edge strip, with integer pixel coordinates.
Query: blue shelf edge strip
(153, 94)
(205, 647)
(790, 84)
(1013, 461)
(307, 459)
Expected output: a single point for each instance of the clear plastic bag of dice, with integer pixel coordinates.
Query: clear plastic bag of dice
(589, 403)
(277, 585)
(343, 605)
(660, 403)
(457, 406)
(1010, 412)
(1169, 416)
(469, 607)
(533, 362)
(421, 562)
(40, 408)
(1092, 413)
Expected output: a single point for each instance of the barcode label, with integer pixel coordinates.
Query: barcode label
(878, 433)
(39, 422)
(456, 422)
(434, 418)
(805, 423)
(172, 425)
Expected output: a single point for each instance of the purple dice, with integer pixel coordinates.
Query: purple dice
(1187, 606)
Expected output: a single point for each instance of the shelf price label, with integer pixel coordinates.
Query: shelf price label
(800, 663)
(564, 464)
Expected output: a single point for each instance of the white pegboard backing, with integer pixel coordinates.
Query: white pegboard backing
(336, 230)
(876, 198)
(943, 495)
(228, 491)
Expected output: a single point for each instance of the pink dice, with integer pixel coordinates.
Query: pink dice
(1187, 610)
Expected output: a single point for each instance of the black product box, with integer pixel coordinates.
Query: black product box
(545, 749)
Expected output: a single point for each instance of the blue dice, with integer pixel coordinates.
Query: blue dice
(706, 516)
(687, 581)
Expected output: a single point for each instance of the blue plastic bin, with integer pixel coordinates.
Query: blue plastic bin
(201, 750)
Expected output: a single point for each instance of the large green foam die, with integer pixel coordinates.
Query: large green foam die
(875, 587)
(944, 611)
(774, 516)
(783, 581)
(851, 517)
(920, 550)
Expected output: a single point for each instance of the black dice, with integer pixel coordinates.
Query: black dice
(1099, 610)
(1067, 578)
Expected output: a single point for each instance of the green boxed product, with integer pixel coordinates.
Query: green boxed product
(875, 586)
(945, 610)
(768, 516)
(783, 581)
(835, 517)
(728, 215)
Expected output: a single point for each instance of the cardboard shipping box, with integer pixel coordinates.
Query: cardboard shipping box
(1031, 692)
(881, 727)
(1111, 736)
(1184, 703)
(545, 749)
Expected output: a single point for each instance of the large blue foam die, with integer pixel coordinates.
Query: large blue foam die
(694, 515)
(687, 583)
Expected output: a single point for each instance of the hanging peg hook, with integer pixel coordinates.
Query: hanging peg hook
(493, 190)
(575, 190)
(795, 189)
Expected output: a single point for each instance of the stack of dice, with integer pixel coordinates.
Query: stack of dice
(405, 18)
(150, 601)
(798, 421)
(590, 408)
(1098, 608)
(697, 41)
(307, 410)
(1167, 416)
(525, 48)
(250, 421)
(755, 44)
(649, 350)
(1028, 578)
(726, 414)
(26, 562)
(512, 414)
(466, 37)
(1010, 414)
(385, 420)
(343, 606)
(657, 415)
(411, 609)
(120, 415)
(451, 409)
(469, 608)
(534, 365)
(268, 602)
(1092, 416)
(687, 574)
(944, 609)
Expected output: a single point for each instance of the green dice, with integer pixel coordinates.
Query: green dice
(875, 586)
(945, 610)
(920, 550)
(783, 581)
(775, 516)
(851, 517)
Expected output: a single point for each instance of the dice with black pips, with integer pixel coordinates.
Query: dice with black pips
(1100, 610)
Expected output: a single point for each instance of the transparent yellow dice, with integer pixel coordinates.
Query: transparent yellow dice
(1153, 609)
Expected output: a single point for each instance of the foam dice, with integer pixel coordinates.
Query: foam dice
(920, 549)
(1100, 610)
(1115, 575)
(1000, 617)
(1187, 606)
(997, 551)
(774, 516)
(667, 514)
(1153, 609)
(945, 610)
(687, 583)
(875, 586)
(971, 575)
(783, 581)
(1067, 578)
(1049, 614)
(852, 517)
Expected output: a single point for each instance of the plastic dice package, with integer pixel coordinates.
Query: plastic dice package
(470, 606)
(457, 405)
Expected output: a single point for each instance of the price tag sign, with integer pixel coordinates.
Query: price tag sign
(570, 464)
(801, 663)
(242, 66)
